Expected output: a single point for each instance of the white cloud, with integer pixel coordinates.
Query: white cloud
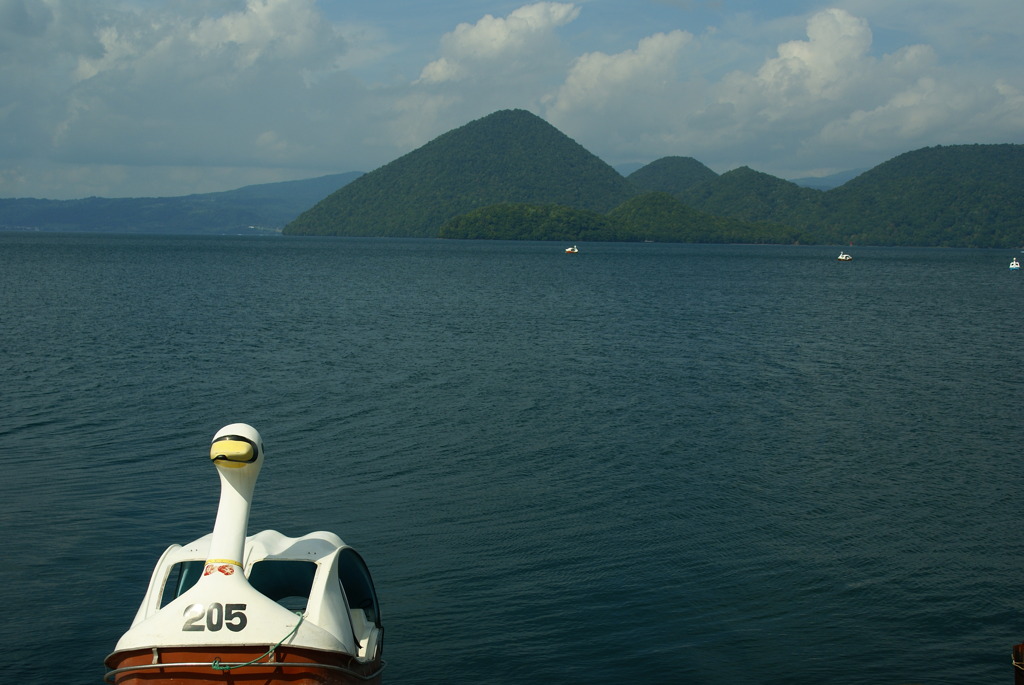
(478, 47)
(929, 111)
(821, 65)
(175, 89)
(629, 100)
(285, 28)
(194, 95)
(805, 76)
(820, 102)
(597, 79)
(441, 70)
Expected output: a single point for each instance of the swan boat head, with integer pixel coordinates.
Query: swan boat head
(227, 596)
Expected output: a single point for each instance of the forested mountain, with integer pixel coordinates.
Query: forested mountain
(753, 196)
(265, 207)
(673, 175)
(956, 196)
(513, 175)
(476, 181)
(511, 156)
(652, 217)
(519, 221)
(661, 217)
(960, 195)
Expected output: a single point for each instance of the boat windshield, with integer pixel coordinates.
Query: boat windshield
(355, 579)
(282, 579)
(181, 578)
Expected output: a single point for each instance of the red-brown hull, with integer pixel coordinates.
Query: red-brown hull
(192, 666)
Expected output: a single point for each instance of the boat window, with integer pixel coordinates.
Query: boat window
(281, 579)
(181, 577)
(355, 579)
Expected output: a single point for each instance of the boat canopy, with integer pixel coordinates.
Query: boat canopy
(279, 567)
(296, 573)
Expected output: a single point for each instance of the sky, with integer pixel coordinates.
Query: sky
(135, 98)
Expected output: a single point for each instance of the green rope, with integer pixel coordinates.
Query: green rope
(218, 666)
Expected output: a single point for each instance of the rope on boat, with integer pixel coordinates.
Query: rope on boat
(218, 666)
(111, 675)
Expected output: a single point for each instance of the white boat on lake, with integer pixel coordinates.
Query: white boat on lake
(228, 608)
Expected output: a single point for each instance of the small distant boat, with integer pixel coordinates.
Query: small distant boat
(1014, 264)
(258, 609)
(571, 250)
(843, 257)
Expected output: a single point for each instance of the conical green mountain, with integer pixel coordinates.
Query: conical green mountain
(508, 156)
(672, 175)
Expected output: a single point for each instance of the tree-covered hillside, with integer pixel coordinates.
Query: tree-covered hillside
(674, 175)
(656, 217)
(956, 196)
(661, 217)
(518, 221)
(755, 196)
(959, 196)
(475, 179)
(510, 156)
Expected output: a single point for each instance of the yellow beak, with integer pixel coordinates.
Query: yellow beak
(233, 452)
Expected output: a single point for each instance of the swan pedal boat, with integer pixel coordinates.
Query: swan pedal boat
(265, 608)
(843, 257)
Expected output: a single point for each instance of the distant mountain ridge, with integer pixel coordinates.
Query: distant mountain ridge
(513, 175)
(828, 182)
(261, 208)
(945, 196)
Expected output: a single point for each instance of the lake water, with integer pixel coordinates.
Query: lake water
(642, 463)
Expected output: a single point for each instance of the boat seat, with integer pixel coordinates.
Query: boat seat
(282, 578)
(359, 625)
